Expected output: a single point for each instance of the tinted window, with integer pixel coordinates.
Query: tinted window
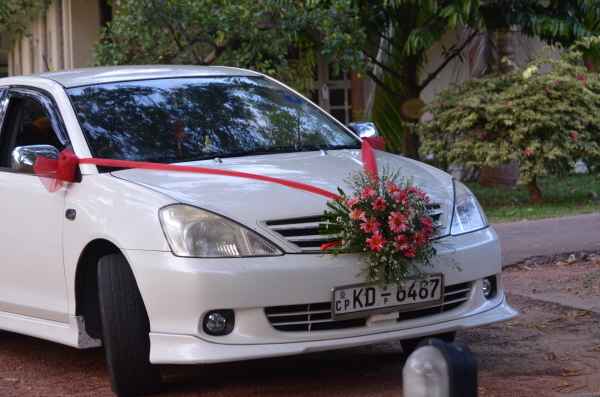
(3, 104)
(183, 119)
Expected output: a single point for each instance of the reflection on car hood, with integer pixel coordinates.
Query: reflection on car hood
(248, 201)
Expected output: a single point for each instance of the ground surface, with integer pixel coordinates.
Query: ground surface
(552, 349)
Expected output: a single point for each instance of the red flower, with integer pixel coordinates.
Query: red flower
(352, 201)
(379, 204)
(583, 127)
(554, 83)
(410, 251)
(397, 222)
(462, 108)
(580, 77)
(545, 90)
(367, 192)
(483, 135)
(370, 225)
(441, 103)
(506, 103)
(527, 151)
(376, 242)
(357, 215)
(574, 135)
(401, 242)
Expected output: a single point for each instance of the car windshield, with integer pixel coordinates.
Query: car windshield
(174, 120)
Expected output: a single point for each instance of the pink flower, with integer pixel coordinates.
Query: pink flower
(376, 242)
(357, 215)
(583, 127)
(462, 108)
(370, 225)
(580, 77)
(483, 135)
(401, 196)
(441, 103)
(401, 242)
(367, 192)
(421, 239)
(352, 201)
(554, 83)
(585, 84)
(426, 222)
(391, 187)
(574, 135)
(527, 151)
(379, 204)
(397, 222)
(410, 251)
(545, 90)
(506, 103)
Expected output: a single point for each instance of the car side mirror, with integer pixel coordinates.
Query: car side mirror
(23, 157)
(364, 129)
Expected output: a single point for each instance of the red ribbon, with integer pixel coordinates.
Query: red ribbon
(53, 173)
(368, 155)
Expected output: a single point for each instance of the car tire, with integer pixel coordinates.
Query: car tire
(409, 345)
(125, 330)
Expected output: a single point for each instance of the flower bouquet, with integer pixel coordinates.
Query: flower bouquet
(387, 221)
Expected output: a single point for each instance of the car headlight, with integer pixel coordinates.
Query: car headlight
(468, 215)
(193, 232)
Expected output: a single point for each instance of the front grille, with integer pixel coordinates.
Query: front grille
(304, 232)
(317, 316)
(301, 232)
(310, 317)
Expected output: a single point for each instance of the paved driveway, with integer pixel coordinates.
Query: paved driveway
(525, 239)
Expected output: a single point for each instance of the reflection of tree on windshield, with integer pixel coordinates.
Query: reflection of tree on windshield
(175, 120)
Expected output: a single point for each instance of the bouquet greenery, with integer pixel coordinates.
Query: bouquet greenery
(387, 220)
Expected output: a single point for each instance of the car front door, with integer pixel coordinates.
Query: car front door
(32, 278)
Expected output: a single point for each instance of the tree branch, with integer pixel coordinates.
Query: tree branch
(387, 68)
(383, 86)
(437, 71)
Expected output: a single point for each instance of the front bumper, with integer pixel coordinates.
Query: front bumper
(178, 292)
(185, 349)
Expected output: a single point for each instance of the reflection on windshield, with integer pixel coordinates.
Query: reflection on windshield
(175, 120)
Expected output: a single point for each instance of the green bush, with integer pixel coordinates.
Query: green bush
(545, 121)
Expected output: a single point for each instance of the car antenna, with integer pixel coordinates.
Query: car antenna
(46, 62)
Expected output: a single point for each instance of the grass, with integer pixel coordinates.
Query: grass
(575, 194)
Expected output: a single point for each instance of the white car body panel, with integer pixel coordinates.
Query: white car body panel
(32, 216)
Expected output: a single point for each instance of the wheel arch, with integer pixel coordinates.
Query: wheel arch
(86, 284)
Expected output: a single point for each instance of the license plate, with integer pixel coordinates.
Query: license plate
(363, 300)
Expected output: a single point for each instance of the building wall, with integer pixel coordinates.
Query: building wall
(65, 36)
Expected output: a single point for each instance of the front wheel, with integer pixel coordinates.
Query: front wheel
(409, 345)
(125, 330)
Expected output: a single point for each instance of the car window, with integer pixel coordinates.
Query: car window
(27, 122)
(3, 104)
(173, 120)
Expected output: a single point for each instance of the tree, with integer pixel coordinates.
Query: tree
(544, 121)
(406, 30)
(13, 12)
(251, 34)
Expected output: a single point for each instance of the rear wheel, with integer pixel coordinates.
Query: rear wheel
(125, 330)
(409, 345)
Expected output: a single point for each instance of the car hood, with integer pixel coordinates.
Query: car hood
(250, 201)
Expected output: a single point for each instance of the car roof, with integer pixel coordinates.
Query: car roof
(109, 74)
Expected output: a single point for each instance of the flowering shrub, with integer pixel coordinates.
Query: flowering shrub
(387, 221)
(545, 120)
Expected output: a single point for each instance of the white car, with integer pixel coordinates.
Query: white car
(169, 267)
